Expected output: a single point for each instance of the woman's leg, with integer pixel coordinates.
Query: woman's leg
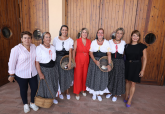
(33, 86)
(127, 89)
(132, 90)
(23, 85)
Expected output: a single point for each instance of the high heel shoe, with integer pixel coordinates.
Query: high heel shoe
(125, 101)
(127, 105)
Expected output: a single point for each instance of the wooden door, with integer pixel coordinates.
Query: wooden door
(143, 15)
(34, 15)
(9, 17)
(150, 18)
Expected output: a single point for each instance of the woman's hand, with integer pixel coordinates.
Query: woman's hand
(11, 78)
(41, 76)
(109, 68)
(69, 66)
(141, 73)
(97, 63)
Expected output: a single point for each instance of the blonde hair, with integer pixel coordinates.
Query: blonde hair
(82, 31)
(121, 30)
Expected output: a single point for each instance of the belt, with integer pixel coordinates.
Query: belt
(133, 61)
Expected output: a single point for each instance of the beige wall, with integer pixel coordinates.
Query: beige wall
(56, 16)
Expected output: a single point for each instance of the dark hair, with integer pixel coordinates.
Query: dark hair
(121, 29)
(26, 33)
(61, 29)
(43, 35)
(137, 33)
(98, 31)
(79, 34)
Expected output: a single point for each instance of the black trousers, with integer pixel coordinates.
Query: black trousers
(23, 84)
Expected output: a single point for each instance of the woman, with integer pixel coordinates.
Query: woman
(136, 59)
(64, 46)
(22, 67)
(116, 83)
(45, 64)
(97, 80)
(81, 50)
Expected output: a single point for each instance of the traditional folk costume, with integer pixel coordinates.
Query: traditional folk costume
(62, 49)
(116, 83)
(46, 58)
(97, 80)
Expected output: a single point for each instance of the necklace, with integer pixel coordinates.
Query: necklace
(47, 46)
(100, 41)
(117, 41)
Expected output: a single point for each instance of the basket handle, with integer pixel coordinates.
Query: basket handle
(47, 86)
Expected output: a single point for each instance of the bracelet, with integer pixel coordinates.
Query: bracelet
(11, 76)
(94, 59)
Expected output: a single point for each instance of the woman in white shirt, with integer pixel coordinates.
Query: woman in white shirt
(22, 67)
(97, 81)
(45, 64)
(117, 76)
(64, 46)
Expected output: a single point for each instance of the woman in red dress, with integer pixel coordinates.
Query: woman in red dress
(81, 57)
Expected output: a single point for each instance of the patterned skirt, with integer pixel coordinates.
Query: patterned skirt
(116, 83)
(51, 78)
(65, 76)
(97, 80)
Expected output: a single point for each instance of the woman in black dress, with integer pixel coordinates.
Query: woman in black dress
(136, 59)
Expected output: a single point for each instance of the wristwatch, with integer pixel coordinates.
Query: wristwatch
(11, 76)
(110, 64)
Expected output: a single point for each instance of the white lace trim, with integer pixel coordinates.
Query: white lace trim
(91, 91)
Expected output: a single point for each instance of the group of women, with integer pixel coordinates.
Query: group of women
(33, 65)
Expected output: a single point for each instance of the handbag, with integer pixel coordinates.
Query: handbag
(43, 102)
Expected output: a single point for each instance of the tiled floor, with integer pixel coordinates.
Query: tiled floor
(147, 100)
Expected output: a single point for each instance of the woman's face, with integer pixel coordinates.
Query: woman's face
(47, 39)
(64, 31)
(119, 35)
(135, 38)
(26, 40)
(100, 34)
(84, 34)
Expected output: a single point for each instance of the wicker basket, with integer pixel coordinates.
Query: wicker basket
(43, 102)
(64, 61)
(103, 64)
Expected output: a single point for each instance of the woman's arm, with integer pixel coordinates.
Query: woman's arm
(39, 70)
(144, 62)
(93, 58)
(109, 61)
(70, 58)
(74, 51)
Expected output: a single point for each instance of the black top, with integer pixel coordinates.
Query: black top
(134, 52)
(48, 65)
(63, 52)
(117, 55)
(99, 54)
